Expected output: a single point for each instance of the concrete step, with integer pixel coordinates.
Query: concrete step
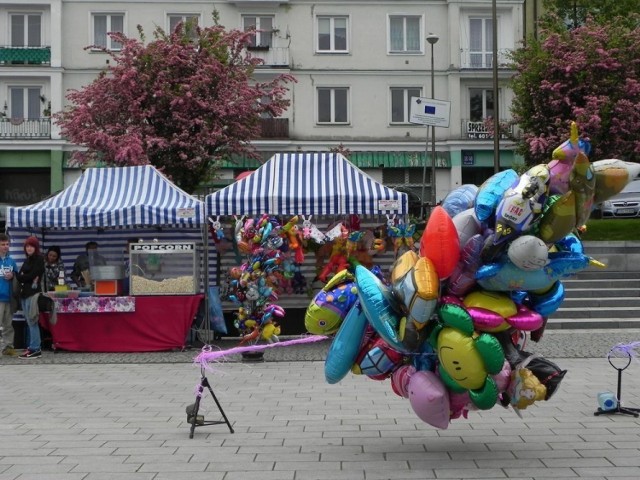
(603, 303)
(600, 273)
(559, 323)
(571, 293)
(601, 283)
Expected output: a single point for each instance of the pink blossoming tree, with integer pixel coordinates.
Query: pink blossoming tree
(590, 74)
(183, 103)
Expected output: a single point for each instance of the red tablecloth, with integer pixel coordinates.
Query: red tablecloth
(159, 323)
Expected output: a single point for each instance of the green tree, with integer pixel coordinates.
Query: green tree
(183, 102)
(575, 12)
(589, 74)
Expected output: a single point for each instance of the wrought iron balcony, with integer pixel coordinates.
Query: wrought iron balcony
(25, 55)
(274, 128)
(483, 60)
(24, 128)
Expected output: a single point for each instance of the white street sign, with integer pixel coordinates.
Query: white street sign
(427, 111)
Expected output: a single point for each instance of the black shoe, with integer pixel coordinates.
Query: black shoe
(29, 354)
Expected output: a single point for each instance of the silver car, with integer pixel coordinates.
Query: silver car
(625, 204)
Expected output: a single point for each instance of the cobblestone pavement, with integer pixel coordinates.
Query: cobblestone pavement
(127, 421)
(555, 344)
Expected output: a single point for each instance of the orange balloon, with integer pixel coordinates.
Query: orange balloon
(440, 243)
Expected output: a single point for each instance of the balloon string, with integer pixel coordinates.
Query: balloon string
(626, 349)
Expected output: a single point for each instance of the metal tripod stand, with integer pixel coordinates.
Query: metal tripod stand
(192, 410)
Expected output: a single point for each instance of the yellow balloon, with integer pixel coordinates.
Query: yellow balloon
(494, 301)
(460, 359)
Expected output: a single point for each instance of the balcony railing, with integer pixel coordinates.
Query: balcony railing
(24, 128)
(479, 130)
(274, 128)
(272, 56)
(483, 60)
(25, 55)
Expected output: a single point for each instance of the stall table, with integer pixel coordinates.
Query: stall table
(123, 324)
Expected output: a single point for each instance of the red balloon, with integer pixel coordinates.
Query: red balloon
(440, 242)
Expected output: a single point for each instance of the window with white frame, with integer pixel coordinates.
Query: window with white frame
(26, 29)
(333, 105)
(332, 34)
(104, 23)
(480, 42)
(480, 104)
(25, 102)
(190, 19)
(263, 24)
(401, 103)
(405, 34)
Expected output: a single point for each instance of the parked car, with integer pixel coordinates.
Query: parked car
(625, 204)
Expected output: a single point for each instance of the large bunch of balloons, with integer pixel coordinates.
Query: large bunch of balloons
(253, 285)
(448, 326)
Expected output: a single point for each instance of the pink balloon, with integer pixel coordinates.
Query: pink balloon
(503, 377)
(526, 319)
(429, 399)
(400, 380)
(484, 319)
(459, 404)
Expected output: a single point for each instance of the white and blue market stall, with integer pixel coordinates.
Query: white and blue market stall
(324, 186)
(112, 206)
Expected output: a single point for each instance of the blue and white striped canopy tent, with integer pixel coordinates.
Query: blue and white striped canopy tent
(112, 197)
(307, 184)
(109, 205)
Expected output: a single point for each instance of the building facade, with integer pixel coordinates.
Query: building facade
(357, 63)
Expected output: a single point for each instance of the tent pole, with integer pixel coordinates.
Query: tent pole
(205, 281)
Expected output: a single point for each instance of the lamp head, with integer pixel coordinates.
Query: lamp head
(432, 38)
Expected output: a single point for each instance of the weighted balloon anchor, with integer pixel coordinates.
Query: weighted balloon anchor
(619, 408)
(192, 410)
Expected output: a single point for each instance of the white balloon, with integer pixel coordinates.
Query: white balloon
(528, 253)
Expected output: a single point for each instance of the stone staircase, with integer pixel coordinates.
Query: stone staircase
(603, 298)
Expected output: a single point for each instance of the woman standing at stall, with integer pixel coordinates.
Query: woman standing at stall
(30, 275)
(53, 266)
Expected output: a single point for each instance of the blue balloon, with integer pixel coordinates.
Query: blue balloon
(547, 303)
(460, 199)
(491, 192)
(505, 276)
(346, 345)
(380, 307)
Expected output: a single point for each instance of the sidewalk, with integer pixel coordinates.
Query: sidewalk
(127, 421)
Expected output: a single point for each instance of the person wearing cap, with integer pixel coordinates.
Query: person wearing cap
(30, 278)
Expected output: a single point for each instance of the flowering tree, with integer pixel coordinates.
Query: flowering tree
(589, 74)
(182, 103)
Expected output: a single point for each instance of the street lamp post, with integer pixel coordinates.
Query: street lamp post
(433, 39)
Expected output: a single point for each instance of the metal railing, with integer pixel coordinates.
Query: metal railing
(24, 128)
(10, 55)
(483, 60)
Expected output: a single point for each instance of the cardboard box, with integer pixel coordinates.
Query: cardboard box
(108, 287)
